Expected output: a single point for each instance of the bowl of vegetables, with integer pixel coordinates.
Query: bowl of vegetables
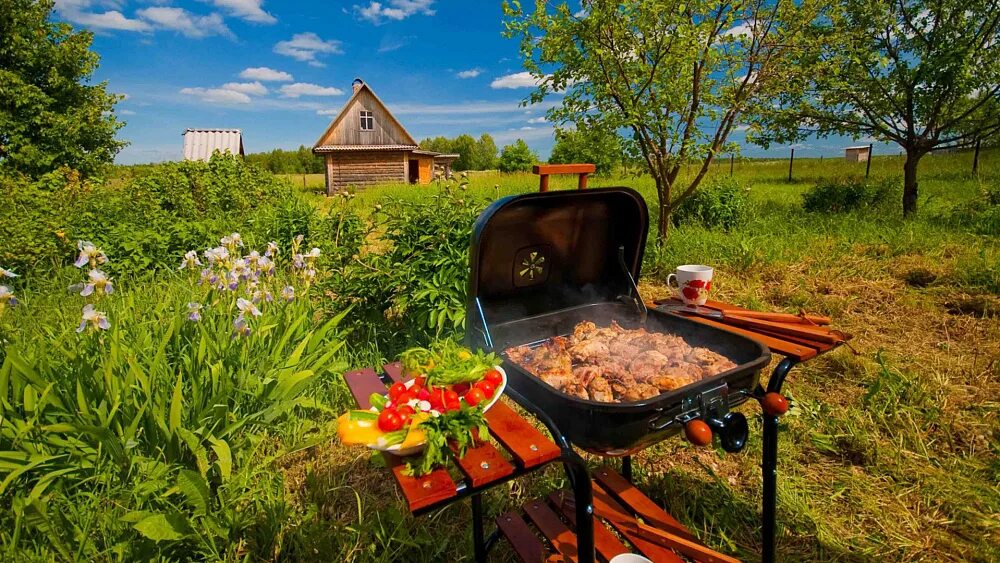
(448, 390)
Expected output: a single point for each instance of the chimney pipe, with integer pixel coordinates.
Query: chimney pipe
(356, 85)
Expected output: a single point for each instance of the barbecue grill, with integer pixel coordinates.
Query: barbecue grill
(541, 263)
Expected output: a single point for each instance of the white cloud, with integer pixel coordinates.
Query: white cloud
(538, 120)
(249, 88)
(328, 111)
(184, 22)
(391, 43)
(471, 73)
(305, 47)
(126, 112)
(745, 28)
(527, 128)
(249, 10)
(466, 108)
(504, 137)
(580, 14)
(265, 74)
(76, 11)
(306, 89)
(217, 95)
(377, 12)
(514, 81)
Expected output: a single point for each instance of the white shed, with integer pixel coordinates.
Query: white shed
(857, 154)
(199, 144)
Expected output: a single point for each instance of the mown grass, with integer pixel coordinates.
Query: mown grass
(890, 451)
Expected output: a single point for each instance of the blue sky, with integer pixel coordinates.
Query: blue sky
(280, 71)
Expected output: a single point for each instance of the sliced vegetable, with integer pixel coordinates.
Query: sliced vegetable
(363, 415)
(377, 400)
(394, 437)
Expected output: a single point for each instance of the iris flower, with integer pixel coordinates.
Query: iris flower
(288, 294)
(190, 260)
(261, 295)
(99, 282)
(272, 249)
(194, 312)
(4, 273)
(247, 307)
(98, 320)
(253, 258)
(7, 297)
(217, 254)
(89, 254)
(241, 327)
(265, 266)
(232, 241)
(312, 255)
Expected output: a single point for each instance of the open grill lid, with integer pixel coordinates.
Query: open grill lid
(543, 252)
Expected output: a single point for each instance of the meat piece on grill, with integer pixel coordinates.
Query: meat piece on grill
(677, 375)
(600, 390)
(576, 389)
(711, 362)
(591, 351)
(550, 362)
(648, 365)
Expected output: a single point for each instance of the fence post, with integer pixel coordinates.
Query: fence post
(791, 159)
(868, 166)
(975, 157)
(732, 157)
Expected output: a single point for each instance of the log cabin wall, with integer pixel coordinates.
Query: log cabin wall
(361, 168)
(386, 130)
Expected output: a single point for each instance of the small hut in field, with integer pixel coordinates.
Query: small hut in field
(366, 144)
(199, 144)
(857, 154)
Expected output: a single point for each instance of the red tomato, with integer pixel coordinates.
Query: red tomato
(405, 411)
(494, 377)
(423, 394)
(475, 396)
(450, 397)
(396, 390)
(405, 398)
(389, 420)
(486, 387)
(453, 406)
(420, 381)
(460, 388)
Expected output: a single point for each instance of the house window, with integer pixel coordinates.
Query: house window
(367, 121)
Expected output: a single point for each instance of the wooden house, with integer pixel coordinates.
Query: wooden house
(857, 154)
(199, 144)
(366, 144)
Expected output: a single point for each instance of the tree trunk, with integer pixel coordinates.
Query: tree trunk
(910, 181)
(663, 202)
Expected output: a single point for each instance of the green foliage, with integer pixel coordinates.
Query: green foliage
(473, 154)
(517, 157)
(679, 76)
(594, 146)
(414, 288)
(722, 203)
(981, 215)
(147, 221)
(921, 74)
(49, 116)
(851, 194)
(142, 440)
(278, 161)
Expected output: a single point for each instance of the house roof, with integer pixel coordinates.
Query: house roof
(343, 111)
(346, 148)
(199, 144)
(856, 148)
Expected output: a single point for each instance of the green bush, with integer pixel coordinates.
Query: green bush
(852, 194)
(981, 215)
(722, 203)
(146, 221)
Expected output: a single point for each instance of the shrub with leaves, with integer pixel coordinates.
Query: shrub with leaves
(129, 431)
(722, 203)
(851, 194)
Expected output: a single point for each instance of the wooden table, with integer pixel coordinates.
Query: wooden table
(519, 447)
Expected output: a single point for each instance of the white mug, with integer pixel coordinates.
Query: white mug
(693, 283)
(629, 558)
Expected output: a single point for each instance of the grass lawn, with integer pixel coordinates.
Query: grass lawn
(890, 451)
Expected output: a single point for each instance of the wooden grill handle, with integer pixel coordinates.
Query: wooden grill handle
(698, 432)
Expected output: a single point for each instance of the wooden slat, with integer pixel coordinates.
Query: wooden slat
(638, 502)
(394, 371)
(608, 508)
(694, 550)
(548, 522)
(527, 547)
(606, 543)
(483, 464)
(363, 383)
(421, 492)
(563, 169)
(781, 346)
(524, 442)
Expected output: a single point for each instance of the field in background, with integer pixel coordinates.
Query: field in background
(890, 451)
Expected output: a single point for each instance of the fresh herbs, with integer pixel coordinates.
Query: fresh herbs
(447, 363)
(460, 428)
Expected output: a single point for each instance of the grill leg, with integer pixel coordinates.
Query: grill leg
(769, 466)
(478, 542)
(583, 495)
(627, 468)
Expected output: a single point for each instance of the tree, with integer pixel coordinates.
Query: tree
(49, 115)
(437, 144)
(678, 74)
(918, 73)
(465, 147)
(517, 157)
(594, 146)
(485, 153)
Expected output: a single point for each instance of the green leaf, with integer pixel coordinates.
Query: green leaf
(164, 527)
(195, 490)
(175, 405)
(224, 457)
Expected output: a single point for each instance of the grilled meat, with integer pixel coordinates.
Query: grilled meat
(614, 364)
